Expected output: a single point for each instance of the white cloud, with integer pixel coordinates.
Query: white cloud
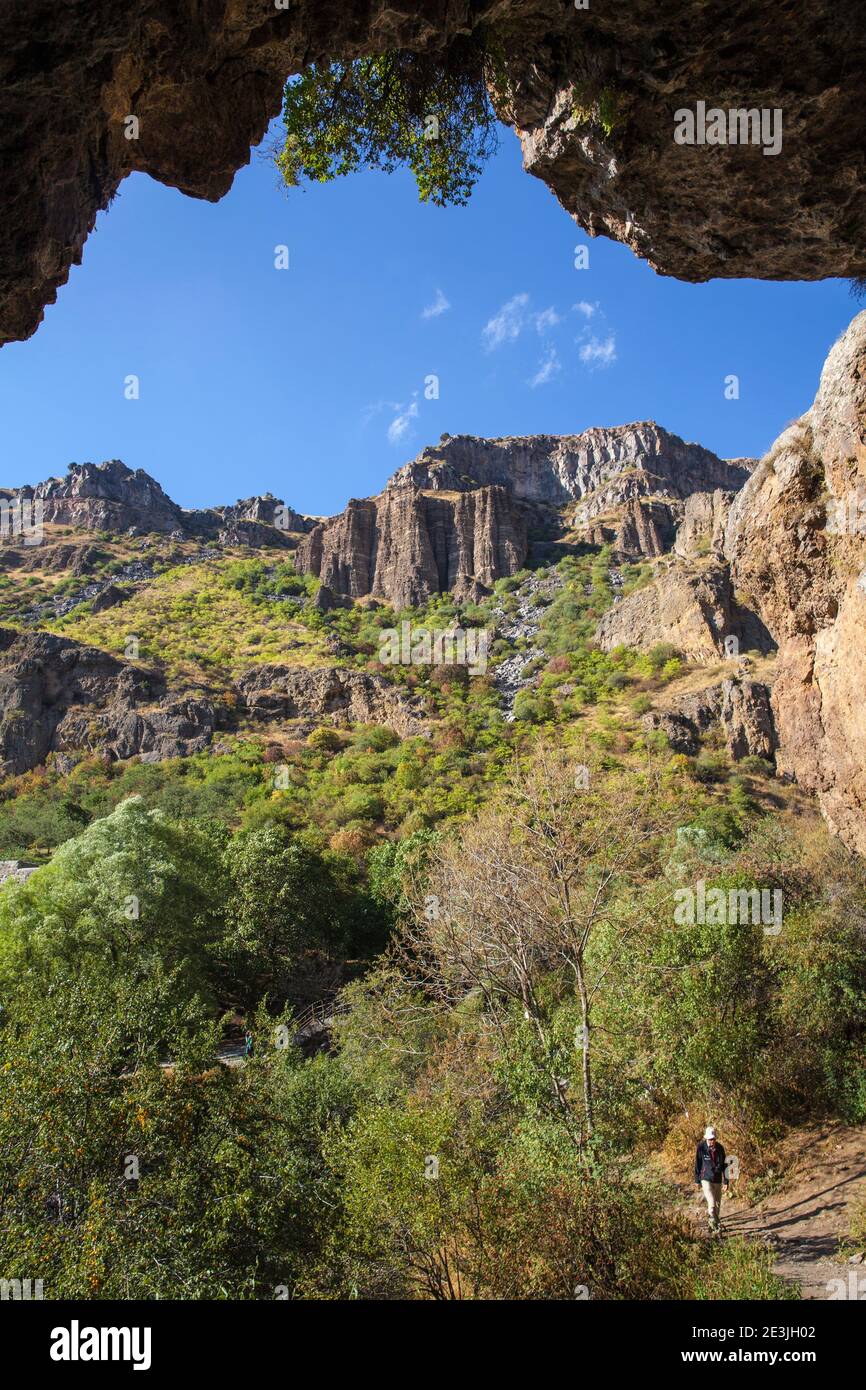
(399, 426)
(548, 318)
(375, 408)
(596, 353)
(507, 325)
(439, 306)
(513, 318)
(584, 307)
(547, 368)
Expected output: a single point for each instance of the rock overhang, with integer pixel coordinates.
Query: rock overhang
(594, 97)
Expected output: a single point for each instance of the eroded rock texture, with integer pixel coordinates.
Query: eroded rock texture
(344, 697)
(796, 540)
(702, 528)
(465, 512)
(702, 211)
(594, 94)
(63, 698)
(597, 468)
(107, 497)
(689, 606)
(406, 545)
(112, 497)
(58, 696)
(740, 705)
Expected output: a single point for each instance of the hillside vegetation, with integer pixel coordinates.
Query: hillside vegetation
(522, 1022)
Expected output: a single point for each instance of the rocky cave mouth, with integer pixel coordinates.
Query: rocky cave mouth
(593, 98)
(220, 707)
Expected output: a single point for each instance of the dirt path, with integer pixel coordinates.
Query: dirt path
(805, 1221)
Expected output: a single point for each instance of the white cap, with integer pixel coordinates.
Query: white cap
(709, 1132)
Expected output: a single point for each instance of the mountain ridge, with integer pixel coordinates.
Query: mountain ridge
(113, 481)
(456, 518)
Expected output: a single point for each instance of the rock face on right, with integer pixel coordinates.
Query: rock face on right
(796, 542)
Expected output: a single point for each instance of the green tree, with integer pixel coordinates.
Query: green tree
(288, 900)
(430, 111)
(124, 1178)
(134, 891)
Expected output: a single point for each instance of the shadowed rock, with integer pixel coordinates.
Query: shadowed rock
(593, 97)
(59, 696)
(742, 708)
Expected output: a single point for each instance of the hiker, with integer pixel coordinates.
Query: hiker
(248, 1044)
(710, 1174)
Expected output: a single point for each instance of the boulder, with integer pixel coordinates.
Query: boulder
(344, 697)
(110, 597)
(741, 706)
(689, 606)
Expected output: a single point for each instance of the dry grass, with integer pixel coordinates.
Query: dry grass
(196, 628)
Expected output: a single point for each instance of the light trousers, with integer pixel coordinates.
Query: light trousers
(713, 1197)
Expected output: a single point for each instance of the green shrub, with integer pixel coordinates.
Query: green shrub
(659, 655)
(710, 766)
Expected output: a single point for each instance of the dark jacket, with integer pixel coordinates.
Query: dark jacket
(708, 1168)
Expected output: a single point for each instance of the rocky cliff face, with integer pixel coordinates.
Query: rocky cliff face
(107, 497)
(343, 697)
(265, 510)
(598, 469)
(461, 514)
(593, 98)
(111, 497)
(702, 527)
(60, 697)
(690, 606)
(796, 542)
(740, 705)
(698, 211)
(457, 518)
(408, 544)
(791, 545)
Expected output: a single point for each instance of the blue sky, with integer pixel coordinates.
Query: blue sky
(309, 382)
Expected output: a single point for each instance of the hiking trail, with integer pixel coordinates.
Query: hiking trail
(807, 1218)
